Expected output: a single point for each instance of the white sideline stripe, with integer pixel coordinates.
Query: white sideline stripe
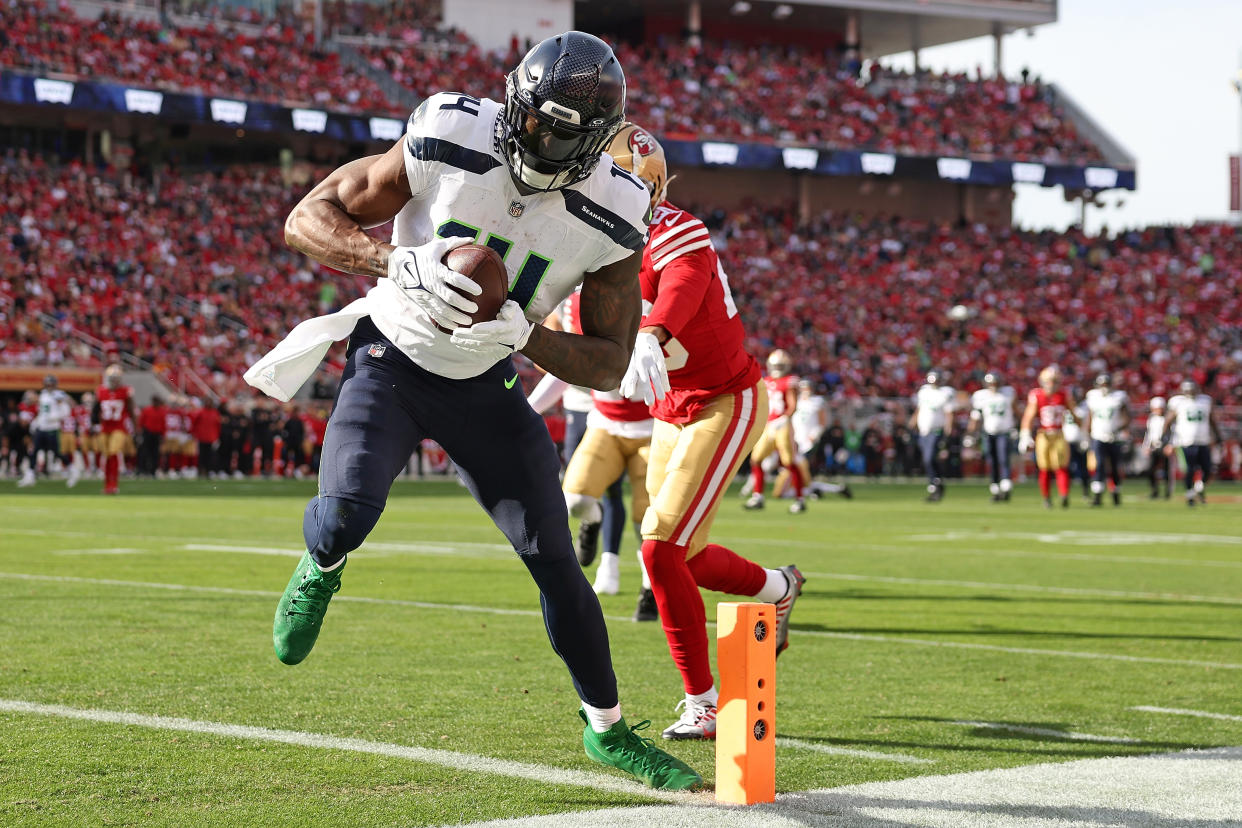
(1180, 711)
(109, 550)
(834, 750)
(1175, 790)
(432, 756)
(1048, 731)
(1084, 591)
(397, 602)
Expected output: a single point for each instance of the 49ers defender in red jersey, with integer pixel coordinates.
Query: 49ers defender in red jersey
(705, 424)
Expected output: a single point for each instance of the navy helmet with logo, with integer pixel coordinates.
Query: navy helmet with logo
(563, 104)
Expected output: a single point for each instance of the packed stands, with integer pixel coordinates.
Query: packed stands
(716, 91)
(278, 64)
(191, 273)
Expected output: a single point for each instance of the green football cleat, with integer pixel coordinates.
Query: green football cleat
(622, 748)
(300, 612)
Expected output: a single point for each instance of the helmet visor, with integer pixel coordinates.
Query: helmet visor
(547, 153)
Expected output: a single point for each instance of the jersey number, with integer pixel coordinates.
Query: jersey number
(675, 354)
(522, 288)
(111, 410)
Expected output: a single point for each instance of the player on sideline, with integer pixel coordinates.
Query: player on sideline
(933, 417)
(114, 410)
(1048, 403)
(1193, 426)
(991, 410)
(704, 427)
(1108, 415)
(55, 406)
(527, 177)
(782, 393)
(1159, 464)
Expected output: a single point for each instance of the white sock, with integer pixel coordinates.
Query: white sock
(1006, 484)
(704, 699)
(994, 488)
(642, 566)
(1198, 486)
(1097, 487)
(336, 565)
(602, 718)
(774, 589)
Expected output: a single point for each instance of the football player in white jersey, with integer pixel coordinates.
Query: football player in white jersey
(991, 410)
(1158, 463)
(1192, 424)
(933, 417)
(528, 177)
(1108, 415)
(55, 406)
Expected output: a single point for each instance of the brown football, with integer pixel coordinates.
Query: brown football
(483, 266)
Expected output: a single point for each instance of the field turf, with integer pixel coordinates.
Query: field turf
(931, 639)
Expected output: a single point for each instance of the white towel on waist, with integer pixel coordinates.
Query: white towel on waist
(287, 367)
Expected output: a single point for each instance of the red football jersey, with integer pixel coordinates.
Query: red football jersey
(82, 419)
(780, 389)
(689, 296)
(26, 412)
(113, 407)
(173, 421)
(1050, 407)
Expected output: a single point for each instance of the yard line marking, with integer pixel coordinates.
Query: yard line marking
(1180, 711)
(1048, 731)
(834, 750)
(110, 550)
(250, 550)
(432, 756)
(397, 602)
(1084, 591)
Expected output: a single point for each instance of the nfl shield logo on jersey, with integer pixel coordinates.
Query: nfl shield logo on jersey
(377, 350)
(516, 208)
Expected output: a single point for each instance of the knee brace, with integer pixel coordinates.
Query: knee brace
(333, 527)
(584, 507)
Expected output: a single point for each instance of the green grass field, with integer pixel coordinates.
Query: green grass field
(931, 639)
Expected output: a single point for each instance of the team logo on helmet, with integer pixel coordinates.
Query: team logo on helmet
(641, 143)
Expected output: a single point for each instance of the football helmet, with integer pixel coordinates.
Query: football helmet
(635, 150)
(112, 376)
(991, 379)
(1103, 380)
(779, 363)
(1189, 388)
(88, 399)
(563, 103)
(50, 381)
(1157, 403)
(933, 378)
(1050, 378)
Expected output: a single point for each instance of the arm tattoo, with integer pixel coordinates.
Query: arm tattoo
(611, 306)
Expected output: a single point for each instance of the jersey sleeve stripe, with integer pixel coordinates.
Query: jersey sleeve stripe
(446, 152)
(606, 221)
(664, 238)
(688, 247)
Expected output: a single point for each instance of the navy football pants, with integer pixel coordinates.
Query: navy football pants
(385, 405)
(998, 452)
(613, 504)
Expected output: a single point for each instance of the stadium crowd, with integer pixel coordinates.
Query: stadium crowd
(189, 273)
(716, 91)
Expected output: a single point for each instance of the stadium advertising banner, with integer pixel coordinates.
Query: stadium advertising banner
(28, 89)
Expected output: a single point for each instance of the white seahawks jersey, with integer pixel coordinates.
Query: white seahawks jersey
(54, 407)
(1071, 427)
(461, 186)
(994, 407)
(1154, 438)
(1191, 426)
(1107, 408)
(934, 402)
(805, 422)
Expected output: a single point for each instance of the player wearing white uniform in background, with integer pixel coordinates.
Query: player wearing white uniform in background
(1079, 444)
(933, 417)
(55, 406)
(1108, 415)
(991, 410)
(809, 421)
(1158, 463)
(1193, 427)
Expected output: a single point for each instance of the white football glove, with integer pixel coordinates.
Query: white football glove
(425, 279)
(1025, 442)
(508, 332)
(646, 378)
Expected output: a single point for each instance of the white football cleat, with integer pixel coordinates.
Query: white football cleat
(698, 721)
(754, 502)
(608, 575)
(28, 479)
(784, 607)
(75, 474)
